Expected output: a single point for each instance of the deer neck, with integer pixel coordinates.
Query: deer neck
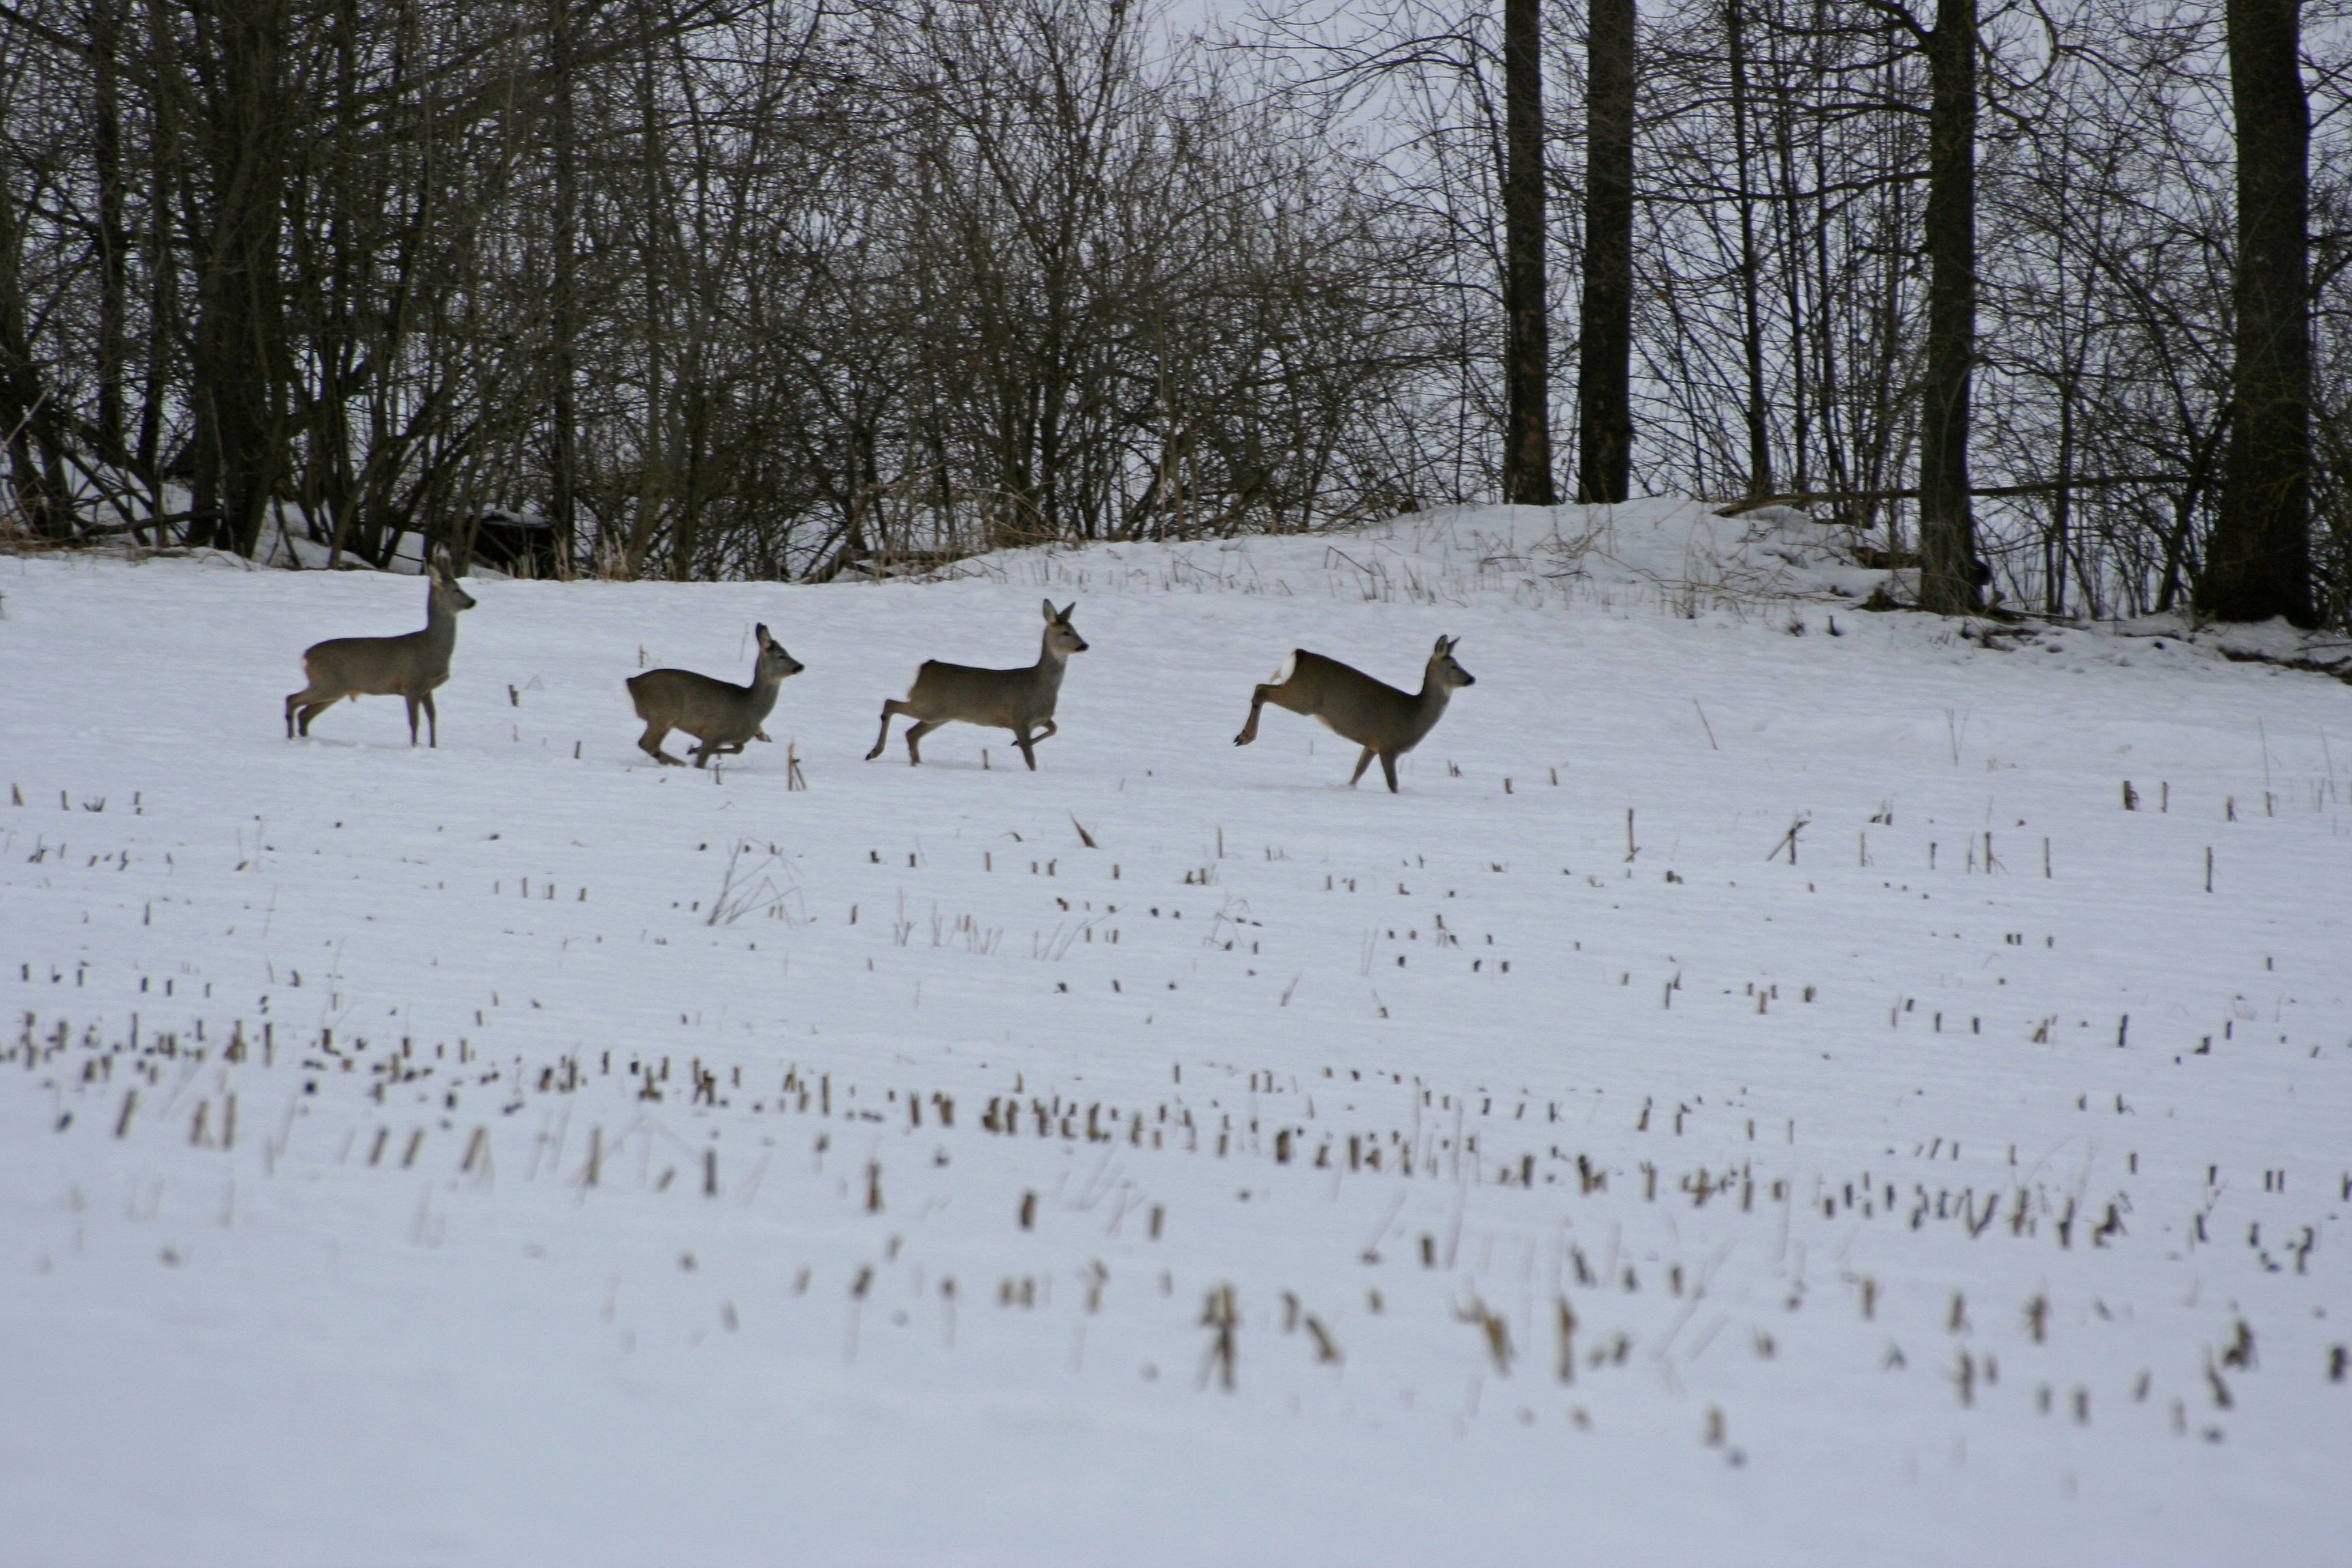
(1050, 665)
(440, 622)
(1429, 706)
(763, 692)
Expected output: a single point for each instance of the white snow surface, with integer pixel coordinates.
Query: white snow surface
(399, 1164)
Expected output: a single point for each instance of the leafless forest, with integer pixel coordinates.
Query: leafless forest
(2051, 296)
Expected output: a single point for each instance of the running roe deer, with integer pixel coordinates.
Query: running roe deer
(1375, 715)
(723, 717)
(409, 665)
(1021, 701)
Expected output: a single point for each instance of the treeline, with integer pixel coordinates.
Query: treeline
(720, 290)
(2051, 296)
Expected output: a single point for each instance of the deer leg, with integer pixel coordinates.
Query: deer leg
(914, 735)
(890, 710)
(1028, 742)
(709, 749)
(1258, 700)
(310, 711)
(650, 744)
(1388, 766)
(432, 721)
(1362, 764)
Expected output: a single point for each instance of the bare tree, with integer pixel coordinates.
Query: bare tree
(1527, 351)
(1949, 574)
(726, 287)
(1604, 409)
(2258, 562)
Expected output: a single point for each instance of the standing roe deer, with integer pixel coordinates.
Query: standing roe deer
(1375, 715)
(723, 717)
(1021, 701)
(410, 666)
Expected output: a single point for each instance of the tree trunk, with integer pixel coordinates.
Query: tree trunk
(1751, 312)
(106, 34)
(654, 479)
(1948, 572)
(2258, 562)
(1527, 350)
(563, 437)
(165, 326)
(235, 393)
(1604, 411)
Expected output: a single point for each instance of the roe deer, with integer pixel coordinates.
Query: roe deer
(1375, 715)
(723, 717)
(1021, 701)
(409, 665)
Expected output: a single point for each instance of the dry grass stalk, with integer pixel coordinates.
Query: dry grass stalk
(1220, 1316)
(1497, 1332)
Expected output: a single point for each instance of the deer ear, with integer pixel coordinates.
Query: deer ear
(761, 633)
(1443, 646)
(1065, 611)
(1049, 611)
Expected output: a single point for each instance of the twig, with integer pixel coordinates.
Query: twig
(1789, 840)
(2034, 488)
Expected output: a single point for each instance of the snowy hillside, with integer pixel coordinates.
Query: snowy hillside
(1756, 1095)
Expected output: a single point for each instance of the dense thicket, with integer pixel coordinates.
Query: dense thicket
(724, 289)
(740, 287)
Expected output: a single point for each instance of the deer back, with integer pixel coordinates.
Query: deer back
(409, 665)
(709, 709)
(1000, 698)
(1348, 702)
(1369, 711)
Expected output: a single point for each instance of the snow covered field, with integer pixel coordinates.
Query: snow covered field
(1756, 1096)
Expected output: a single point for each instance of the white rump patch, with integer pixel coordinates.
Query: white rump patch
(1289, 666)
